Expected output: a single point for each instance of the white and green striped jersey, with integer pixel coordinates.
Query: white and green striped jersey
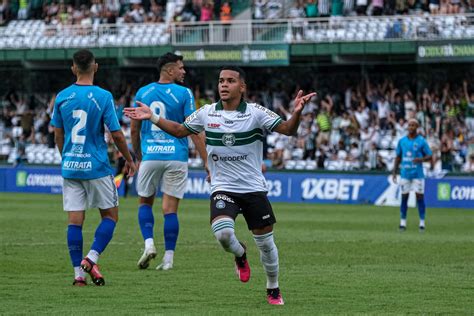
(234, 143)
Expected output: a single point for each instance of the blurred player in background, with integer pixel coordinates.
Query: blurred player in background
(412, 151)
(234, 138)
(163, 159)
(80, 113)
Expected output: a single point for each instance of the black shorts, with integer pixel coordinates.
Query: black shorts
(254, 206)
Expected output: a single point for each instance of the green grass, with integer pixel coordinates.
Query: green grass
(334, 259)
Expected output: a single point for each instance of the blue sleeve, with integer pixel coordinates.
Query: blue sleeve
(189, 106)
(426, 148)
(56, 119)
(399, 148)
(110, 117)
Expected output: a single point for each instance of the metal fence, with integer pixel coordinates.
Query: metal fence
(36, 34)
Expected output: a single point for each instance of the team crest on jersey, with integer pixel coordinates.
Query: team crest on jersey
(228, 139)
(220, 204)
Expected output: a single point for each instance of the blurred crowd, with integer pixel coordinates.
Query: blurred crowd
(275, 9)
(93, 12)
(355, 127)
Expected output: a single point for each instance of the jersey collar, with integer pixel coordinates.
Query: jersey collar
(241, 108)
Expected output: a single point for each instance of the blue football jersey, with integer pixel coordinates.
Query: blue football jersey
(82, 111)
(408, 149)
(173, 102)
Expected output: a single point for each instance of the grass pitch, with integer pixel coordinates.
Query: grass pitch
(334, 259)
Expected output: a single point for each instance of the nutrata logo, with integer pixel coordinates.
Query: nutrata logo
(444, 191)
(21, 177)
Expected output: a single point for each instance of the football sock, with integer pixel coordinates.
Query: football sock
(146, 221)
(421, 208)
(149, 243)
(79, 273)
(103, 235)
(74, 243)
(403, 222)
(224, 231)
(171, 230)
(168, 257)
(404, 206)
(422, 223)
(268, 257)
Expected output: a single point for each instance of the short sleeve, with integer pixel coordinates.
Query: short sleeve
(110, 116)
(56, 119)
(189, 105)
(195, 122)
(267, 118)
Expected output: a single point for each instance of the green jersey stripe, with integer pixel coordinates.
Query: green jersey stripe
(275, 124)
(236, 135)
(238, 142)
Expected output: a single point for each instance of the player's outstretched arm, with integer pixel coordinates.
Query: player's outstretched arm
(291, 126)
(143, 112)
(121, 143)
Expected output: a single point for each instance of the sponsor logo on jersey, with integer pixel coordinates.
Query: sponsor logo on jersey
(228, 139)
(77, 149)
(266, 216)
(91, 97)
(244, 115)
(229, 158)
(229, 122)
(220, 204)
(223, 197)
(213, 114)
(213, 125)
(153, 149)
(77, 165)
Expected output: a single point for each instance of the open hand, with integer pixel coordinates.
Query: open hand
(143, 112)
(301, 100)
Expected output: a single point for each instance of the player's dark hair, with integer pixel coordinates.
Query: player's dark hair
(83, 59)
(166, 59)
(241, 72)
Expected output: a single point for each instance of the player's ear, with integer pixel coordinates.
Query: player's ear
(243, 87)
(74, 70)
(96, 67)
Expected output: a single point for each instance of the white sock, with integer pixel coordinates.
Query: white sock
(149, 243)
(403, 222)
(268, 257)
(224, 231)
(422, 223)
(93, 256)
(79, 273)
(168, 257)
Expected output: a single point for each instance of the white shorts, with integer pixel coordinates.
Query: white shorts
(417, 185)
(80, 195)
(169, 175)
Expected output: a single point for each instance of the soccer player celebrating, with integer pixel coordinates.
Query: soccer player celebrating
(80, 113)
(164, 158)
(234, 135)
(412, 151)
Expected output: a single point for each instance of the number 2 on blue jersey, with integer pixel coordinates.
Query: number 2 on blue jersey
(79, 126)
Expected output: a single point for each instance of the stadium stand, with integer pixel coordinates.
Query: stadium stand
(355, 127)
